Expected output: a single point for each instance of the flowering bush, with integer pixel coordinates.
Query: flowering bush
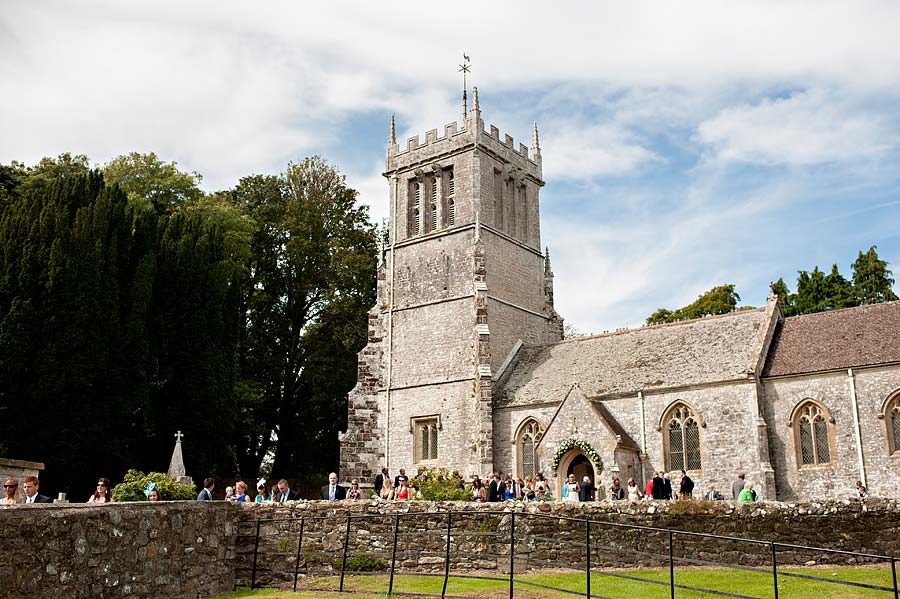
(135, 483)
(441, 485)
(585, 448)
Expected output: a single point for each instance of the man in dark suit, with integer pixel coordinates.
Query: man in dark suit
(333, 491)
(30, 485)
(496, 490)
(659, 487)
(667, 487)
(284, 492)
(381, 479)
(206, 494)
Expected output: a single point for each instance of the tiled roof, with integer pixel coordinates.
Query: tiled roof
(836, 339)
(699, 351)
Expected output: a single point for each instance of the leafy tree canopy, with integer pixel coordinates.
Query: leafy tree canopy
(147, 179)
(718, 300)
(817, 292)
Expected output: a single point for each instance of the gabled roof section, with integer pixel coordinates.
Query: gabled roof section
(694, 352)
(624, 439)
(846, 338)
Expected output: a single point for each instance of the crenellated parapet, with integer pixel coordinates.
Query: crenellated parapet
(457, 138)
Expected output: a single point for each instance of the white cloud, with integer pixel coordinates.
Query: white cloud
(582, 151)
(805, 128)
(618, 88)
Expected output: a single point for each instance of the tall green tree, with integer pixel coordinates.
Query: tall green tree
(812, 295)
(310, 283)
(786, 299)
(718, 300)
(872, 281)
(147, 179)
(838, 291)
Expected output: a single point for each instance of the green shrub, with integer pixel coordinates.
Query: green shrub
(361, 563)
(132, 487)
(441, 485)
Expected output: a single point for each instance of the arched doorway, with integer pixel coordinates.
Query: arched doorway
(574, 462)
(580, 466)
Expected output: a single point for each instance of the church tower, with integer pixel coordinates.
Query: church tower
(461, 281)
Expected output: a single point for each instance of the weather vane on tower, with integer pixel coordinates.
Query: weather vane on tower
(464, 68)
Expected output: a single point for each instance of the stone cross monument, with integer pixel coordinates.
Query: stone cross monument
(176, 464)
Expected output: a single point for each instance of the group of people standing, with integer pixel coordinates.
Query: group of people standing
(12, 495)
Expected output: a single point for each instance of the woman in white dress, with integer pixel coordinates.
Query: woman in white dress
(571, 489)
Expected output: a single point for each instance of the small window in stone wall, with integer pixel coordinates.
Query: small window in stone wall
(529, 436)
(813, 436)
(425, 441)
(892, 415)
(682, 439)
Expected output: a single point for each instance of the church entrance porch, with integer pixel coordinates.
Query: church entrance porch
(574, 462)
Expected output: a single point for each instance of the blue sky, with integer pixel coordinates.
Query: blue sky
(685, 145)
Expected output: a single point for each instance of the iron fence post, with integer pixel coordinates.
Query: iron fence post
(394, 554)
(512, 552)
(255, 554)
(587, 560)
(447, 556)
(894, 575)
(671, 566)
(344, 560)
(774, 568)
(299, 549)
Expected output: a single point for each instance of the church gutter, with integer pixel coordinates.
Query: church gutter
(856, 428)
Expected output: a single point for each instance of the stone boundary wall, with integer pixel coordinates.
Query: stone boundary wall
(170, 549)
(480, 538)
(201, 549)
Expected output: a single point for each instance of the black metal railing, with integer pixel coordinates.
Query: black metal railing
(481, 545)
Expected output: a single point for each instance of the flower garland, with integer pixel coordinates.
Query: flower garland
(585, 448)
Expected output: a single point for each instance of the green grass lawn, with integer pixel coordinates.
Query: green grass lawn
(612, 584)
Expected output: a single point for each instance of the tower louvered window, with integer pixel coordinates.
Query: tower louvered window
(434, 197)
(812, 435)
(529, 436)
(451, 205)
(417, 214)
(682, 432)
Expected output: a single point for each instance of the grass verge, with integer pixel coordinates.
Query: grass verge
(614, 584)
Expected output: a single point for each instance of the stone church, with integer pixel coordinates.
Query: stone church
(465, 366)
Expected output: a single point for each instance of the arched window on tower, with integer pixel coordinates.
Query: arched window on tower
(529, 436)
(681, 438)
(891, 415)
(812, 434)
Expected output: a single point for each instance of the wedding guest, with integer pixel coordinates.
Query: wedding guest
(11, 492)
(103, 494)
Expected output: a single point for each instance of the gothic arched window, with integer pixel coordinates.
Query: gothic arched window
(681, 438)
(891, 415)
(529, 436)
(812, 434)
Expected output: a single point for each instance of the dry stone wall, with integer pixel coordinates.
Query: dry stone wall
(201, 549)
(553, 534)
(177, 549)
